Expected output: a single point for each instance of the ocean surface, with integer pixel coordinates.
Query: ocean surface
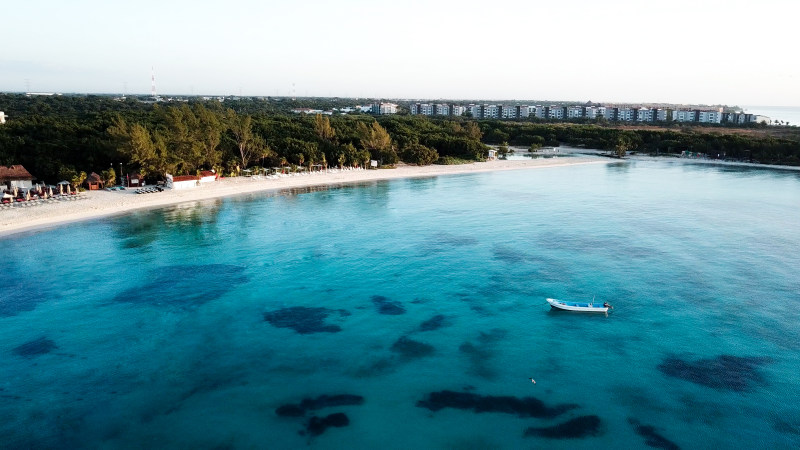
(411, 314)
(789, 114)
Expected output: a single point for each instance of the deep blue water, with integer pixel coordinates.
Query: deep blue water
(188, 327)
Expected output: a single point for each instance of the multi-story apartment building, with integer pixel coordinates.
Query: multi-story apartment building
(441, 109)
(626, 114)
(574, 112)
(683, 115)
(426, 109)
(645, 115)
(607, 112)
(383, 108)
(556, 112)
(475, 111)
(709, 116)
(743, 118)
(490, 112)
(506, 112)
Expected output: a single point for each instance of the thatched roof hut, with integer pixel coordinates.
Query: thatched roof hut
(94, 182)
(15, 176)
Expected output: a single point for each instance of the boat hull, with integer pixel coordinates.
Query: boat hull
(576, 306)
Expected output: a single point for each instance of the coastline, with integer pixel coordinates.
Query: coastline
(98, 204)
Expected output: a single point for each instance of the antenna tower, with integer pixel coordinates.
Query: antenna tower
(153, 82)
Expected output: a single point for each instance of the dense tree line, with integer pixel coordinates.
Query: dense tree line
(764, 149)
(63, 136)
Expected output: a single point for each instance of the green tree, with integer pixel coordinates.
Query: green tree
(377, 141)
(109, 177)
(473, 131)
(143, 148)
(209, 134)
(180, 135)
(502, 149)
(249, 145)
(67, 173)
(624, 142)
(78, 179)
(323, 128)
(420, 155)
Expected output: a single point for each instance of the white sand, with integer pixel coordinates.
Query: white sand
(94, 204)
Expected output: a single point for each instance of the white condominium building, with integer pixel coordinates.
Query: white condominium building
(441, 109)
(475, 111)
(626, 114)
(709, 116)
(556, 112)
(507, 112)
(683, 115)
(644, 115)
(388, 108)
(574, 112)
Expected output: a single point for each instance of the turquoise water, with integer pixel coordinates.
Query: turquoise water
(151, 330)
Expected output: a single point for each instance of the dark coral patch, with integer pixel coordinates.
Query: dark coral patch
(35, 347)
(579, 427)
(290, 410)
(725, 372)
(387, 307)
(409, 348)
(509, 254)
(522, 407)
(480, 355)
(434, 323)
(22, 291)
(323, 401)
(786, 425)
(185, 286)
(304, 320)
(651, 437)
(317, 425)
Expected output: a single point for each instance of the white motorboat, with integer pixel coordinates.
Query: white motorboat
(579, 306)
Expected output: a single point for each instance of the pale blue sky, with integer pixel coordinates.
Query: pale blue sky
(701, 51)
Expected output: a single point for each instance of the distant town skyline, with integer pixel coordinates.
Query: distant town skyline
(625, 51)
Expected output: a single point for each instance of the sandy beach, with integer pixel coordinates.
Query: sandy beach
(95, 204)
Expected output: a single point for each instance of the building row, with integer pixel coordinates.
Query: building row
(560, 112)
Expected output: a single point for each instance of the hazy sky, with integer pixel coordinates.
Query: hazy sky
(700, 51)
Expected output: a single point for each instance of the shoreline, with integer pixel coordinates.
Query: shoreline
(100, 204)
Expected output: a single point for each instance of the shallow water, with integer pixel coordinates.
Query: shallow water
(189, 326)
